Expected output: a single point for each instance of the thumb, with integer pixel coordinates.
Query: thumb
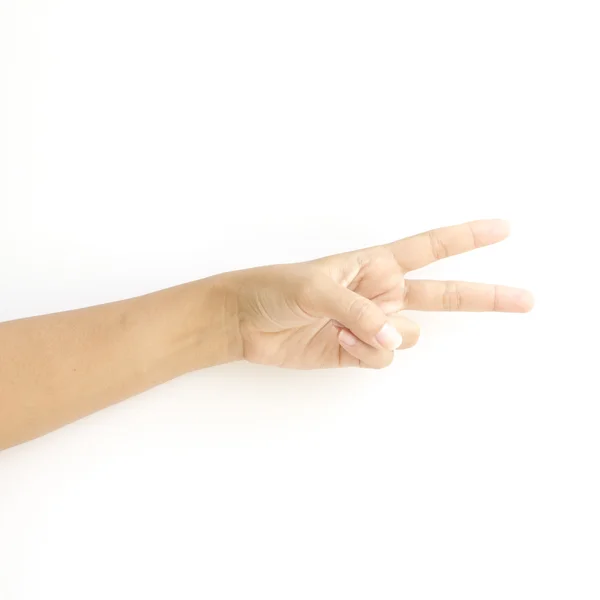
(360, 315)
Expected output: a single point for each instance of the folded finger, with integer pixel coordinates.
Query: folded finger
(409, 330)
(358, 354)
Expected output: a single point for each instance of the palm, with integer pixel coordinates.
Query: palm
(285, 325)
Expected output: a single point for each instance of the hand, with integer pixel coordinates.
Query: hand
(344, 310)
(338, 311)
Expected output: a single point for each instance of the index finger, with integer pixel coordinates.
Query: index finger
(423, 249)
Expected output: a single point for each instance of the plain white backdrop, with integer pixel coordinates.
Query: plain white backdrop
(148, 143)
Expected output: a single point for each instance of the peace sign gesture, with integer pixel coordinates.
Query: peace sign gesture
(344, 310)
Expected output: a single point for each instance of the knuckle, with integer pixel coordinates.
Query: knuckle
(451, 298)
(417, 331)
(412, 336)
(438, 247)
(495, 299)
(476, 241)
(309, 288)
(382, 361)
(359, 309)
(386, 360)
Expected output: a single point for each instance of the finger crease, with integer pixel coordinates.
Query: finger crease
(438, 248)
(475, 242)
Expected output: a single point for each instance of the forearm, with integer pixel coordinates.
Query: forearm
(57, 368)
(338, 311)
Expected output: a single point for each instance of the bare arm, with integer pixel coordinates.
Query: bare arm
(57, 368)
(339, 311)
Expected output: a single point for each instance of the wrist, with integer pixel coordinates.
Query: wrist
(190, 327)
(210, 325)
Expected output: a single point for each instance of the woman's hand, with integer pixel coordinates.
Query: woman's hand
(337, 311)
(344, 310)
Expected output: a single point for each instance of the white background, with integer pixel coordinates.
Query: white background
(147, 143)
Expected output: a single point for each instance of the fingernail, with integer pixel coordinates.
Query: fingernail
(346, 338)
(388, 337)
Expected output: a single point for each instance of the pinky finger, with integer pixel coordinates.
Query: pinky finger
(356, 353)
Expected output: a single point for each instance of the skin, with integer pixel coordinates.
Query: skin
(338, 311)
